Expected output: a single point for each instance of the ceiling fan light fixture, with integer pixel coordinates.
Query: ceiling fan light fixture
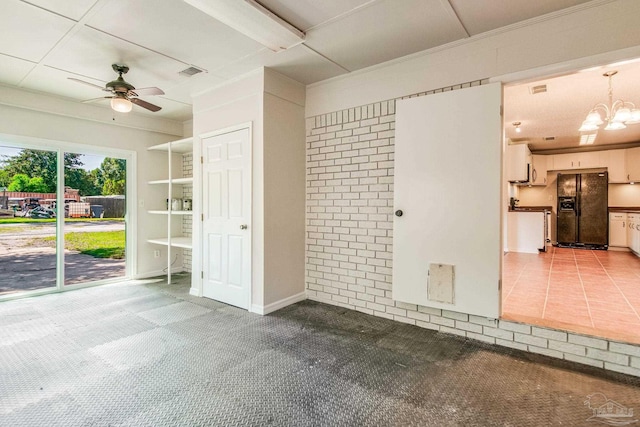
(121, 105)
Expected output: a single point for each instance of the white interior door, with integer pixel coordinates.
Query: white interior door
(226, 173)
(448, 162)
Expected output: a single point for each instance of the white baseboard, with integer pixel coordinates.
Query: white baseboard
(266, 309)
(195, 292)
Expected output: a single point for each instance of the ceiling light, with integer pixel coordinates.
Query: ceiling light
(618, 114)
(588, 138)
(517, 126)
(121, 104)
(253, 20)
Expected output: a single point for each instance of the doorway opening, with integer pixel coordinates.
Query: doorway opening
(63, 217)
(556, 272)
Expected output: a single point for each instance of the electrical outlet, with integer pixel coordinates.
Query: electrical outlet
(550, 197)
(156, 254)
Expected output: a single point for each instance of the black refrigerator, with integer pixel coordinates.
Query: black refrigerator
(583, 210)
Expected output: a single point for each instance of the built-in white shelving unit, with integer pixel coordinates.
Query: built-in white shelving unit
(171, 240)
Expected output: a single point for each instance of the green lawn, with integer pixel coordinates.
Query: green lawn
(98, 244)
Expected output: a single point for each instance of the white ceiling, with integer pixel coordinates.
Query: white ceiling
(560, 111)
(46, 41)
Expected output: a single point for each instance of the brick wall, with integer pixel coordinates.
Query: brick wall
(349, 225)
(187, 220)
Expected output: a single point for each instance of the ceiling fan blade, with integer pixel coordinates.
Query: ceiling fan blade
(86, 101)
(86, 83)
(147, 91)
(145, 104)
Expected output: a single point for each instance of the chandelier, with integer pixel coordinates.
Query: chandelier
(617, 114)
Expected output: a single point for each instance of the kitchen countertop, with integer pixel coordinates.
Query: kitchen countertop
(530, 209)
(631, 209)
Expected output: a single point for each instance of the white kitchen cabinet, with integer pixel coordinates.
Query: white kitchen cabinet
(518, 163)
(526, 232)
(633, 164)
(174, 236)
(618, 229)
(617, 165)
(568, 161)
(538, 169)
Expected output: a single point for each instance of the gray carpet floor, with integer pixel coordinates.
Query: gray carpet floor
(141, 354)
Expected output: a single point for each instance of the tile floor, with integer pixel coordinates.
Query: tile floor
(591, 292)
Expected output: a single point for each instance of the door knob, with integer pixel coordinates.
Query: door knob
(243, 227)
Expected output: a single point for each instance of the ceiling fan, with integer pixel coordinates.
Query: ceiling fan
(124, 94)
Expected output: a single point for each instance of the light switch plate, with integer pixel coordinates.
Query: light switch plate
(440, 283)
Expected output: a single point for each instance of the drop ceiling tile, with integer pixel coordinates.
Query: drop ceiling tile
(481, 16)
(304, 14)
(13, 69)
(74, 9)
(54, 81)
(177, 30)
(299, 63)
(370, 36)
(182, 91)
(90, 53)
(33, 31)
(171, 110)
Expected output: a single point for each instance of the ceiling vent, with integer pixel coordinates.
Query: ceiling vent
(190, 71)
(537, 89)
(549, 138)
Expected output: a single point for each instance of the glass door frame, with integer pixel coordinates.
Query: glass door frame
(130, 218)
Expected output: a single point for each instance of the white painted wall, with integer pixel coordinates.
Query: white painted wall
(52, 119)
(284, 201)
(274, 105)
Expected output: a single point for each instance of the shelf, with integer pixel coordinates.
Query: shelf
(179, 146)
(176, 242)
(188, 180)
(174, 217)
(172, 212)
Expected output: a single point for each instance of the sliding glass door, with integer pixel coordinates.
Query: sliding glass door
(63, 217)
(94, 218)
(28, 229)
